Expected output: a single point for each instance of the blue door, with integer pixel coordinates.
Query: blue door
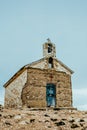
(51, 95)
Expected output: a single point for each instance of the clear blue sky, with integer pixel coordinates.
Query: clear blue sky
(26, 24)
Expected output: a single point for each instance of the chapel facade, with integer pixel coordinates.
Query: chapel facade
(43, 83)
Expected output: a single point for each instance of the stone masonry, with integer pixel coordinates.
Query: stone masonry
(34, 91)
(28, 87)
(13, 91)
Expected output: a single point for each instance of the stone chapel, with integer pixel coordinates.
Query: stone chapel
(41, 84)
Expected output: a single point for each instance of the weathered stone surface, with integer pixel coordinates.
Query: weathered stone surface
(74, 125)
(1, 108)
(28, 86)
(60, 123)
(85, 128)
(23, 122)
(34, 91)
(8, 122)
(18, 117)
(45, 50)
(29, 119)
(13, 91)
(52, 119)
(29, 89)
(32, 120)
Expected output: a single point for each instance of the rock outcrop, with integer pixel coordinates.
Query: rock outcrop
(42, 119)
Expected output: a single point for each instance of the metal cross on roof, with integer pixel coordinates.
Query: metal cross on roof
(49, 41)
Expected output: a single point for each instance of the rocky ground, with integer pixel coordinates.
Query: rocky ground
(42, 119)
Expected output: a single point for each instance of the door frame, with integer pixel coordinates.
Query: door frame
(54, 95)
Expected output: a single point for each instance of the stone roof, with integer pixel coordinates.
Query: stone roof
(62, 64)
(30, 66)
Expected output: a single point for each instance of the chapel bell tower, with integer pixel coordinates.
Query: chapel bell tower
(49, 49)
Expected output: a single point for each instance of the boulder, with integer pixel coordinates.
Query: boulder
(74, 125)
(60, 123)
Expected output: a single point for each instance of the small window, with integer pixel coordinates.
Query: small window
(50, 62)
(49, 48)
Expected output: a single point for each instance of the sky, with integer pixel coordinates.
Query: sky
(24, 27)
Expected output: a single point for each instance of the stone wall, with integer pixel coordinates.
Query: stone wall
(34, 91)
(13, 91)
(59, 67)
(43, 64)
(29, 88)
(45, 50)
